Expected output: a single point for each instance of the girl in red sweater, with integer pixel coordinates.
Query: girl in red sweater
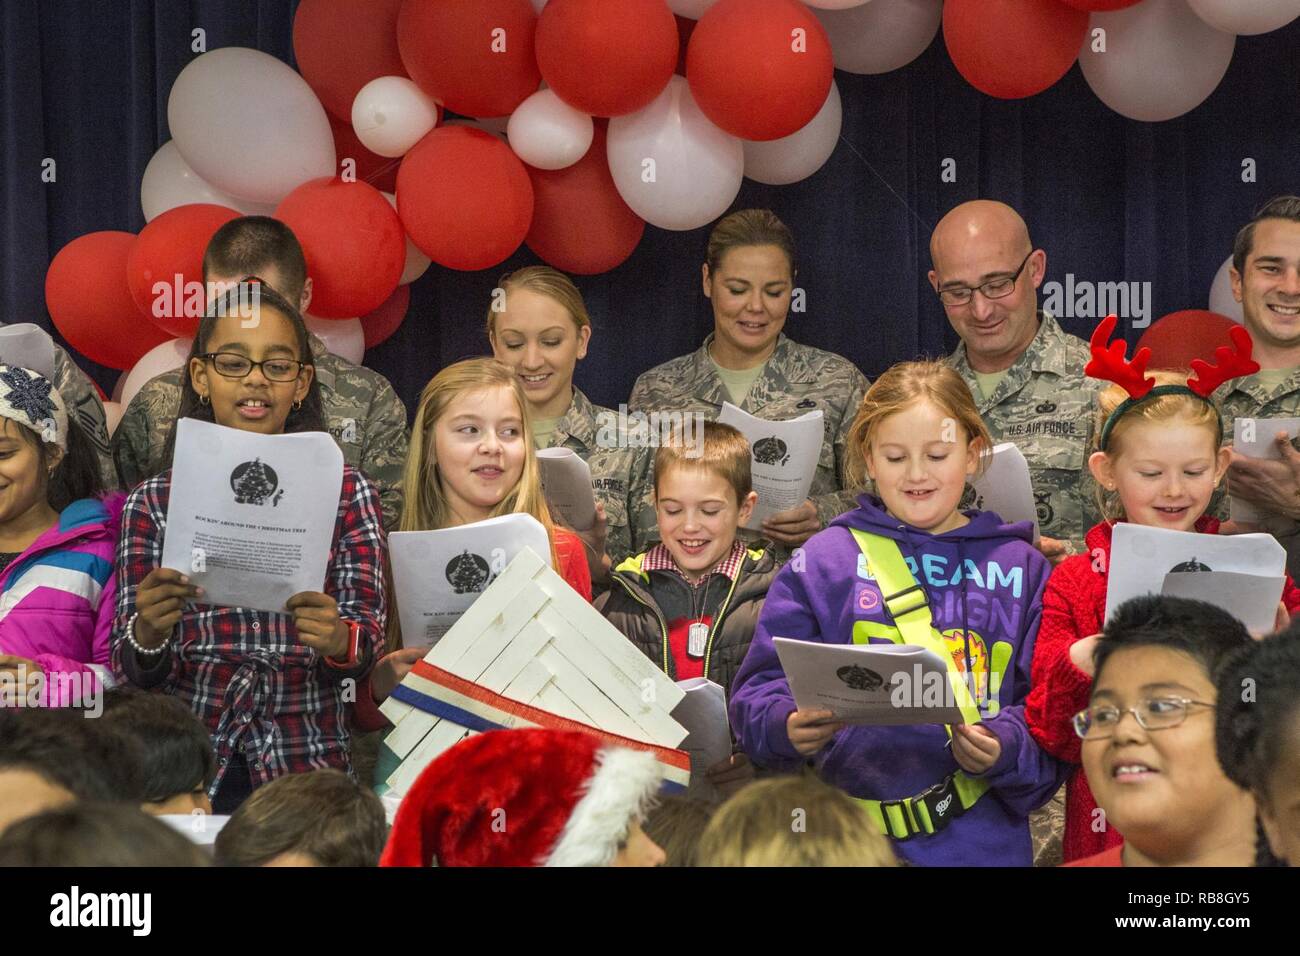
(472, 457)
(1159, 458)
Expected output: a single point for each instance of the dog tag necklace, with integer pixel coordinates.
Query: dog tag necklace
(697, 635)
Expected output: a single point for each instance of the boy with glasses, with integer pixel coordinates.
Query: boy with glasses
(1148, 738)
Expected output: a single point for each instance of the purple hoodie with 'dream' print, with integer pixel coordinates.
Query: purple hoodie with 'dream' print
(984, 579)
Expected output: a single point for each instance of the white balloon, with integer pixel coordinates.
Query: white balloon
(390, 114)
(1161, 60)
(417, 263)
(249, 125)
(882, 35)
(169, 182)
(1246, 17)
(835, 4)
(344, 337)
(113, 416)
(789, 159)
(159, 359)
(1221, 300)
(694, 9)
(671, 164)
(548, 133)
(117, 389)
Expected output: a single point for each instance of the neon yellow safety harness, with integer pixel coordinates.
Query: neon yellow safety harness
(931, 810)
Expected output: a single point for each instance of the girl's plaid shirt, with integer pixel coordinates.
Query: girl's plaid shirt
(260, 690)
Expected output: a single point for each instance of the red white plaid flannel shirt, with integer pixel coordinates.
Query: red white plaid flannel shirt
(244, 672)
(659, 558)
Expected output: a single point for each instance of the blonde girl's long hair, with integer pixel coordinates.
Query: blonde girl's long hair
(424, 506)
(1182, 407)
(898, 388)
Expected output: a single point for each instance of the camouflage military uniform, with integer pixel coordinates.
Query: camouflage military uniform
(1046, 405)
(618, 469)
(797, 379)
(84, 406)
(1247, 398)
(363, 413)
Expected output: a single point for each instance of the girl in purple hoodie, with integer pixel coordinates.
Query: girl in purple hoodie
(57, 538)
(958, 795)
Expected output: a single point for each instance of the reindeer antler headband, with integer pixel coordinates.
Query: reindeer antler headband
(1108, 363)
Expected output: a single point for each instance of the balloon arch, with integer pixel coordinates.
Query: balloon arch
(578, 122)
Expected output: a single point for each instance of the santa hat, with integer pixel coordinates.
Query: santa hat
(523, 798)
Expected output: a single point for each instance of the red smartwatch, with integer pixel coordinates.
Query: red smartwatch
(354, 645)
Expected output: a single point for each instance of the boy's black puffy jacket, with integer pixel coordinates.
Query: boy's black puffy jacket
(629, 606)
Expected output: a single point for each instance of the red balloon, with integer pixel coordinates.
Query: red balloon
(606, 58)
(464, 198)
(380, 324)
(1098, 6)
(172, 245)
(341, 45)
(1182, 336)
(581, 224)
(378, 171)
(1013, 48)
(90, 302)
(352, 241)
(474, 56)
(760, 69)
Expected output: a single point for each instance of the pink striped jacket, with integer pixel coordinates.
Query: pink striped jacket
(56, 601)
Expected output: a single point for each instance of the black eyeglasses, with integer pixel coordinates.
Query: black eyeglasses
(996, 288)
(234, 365)
(1152, 713)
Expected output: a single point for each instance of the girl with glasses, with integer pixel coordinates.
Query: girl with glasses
(269, 686)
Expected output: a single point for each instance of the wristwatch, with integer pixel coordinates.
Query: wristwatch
(354, 644)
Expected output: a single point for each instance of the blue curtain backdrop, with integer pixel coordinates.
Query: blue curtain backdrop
(86, 82)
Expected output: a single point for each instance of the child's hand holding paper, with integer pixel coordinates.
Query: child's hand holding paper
(316, 616)
(811, 730)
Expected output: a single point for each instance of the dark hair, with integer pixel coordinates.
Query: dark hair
(64, 748)
(1208, 634)
(96, 834)
(176, 751)
(77, 475)
(1252, 730)
(249, 245)
(309, 417)
(1279, 207)
(323, 814)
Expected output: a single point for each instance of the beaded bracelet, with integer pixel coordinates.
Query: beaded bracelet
(137, 646)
